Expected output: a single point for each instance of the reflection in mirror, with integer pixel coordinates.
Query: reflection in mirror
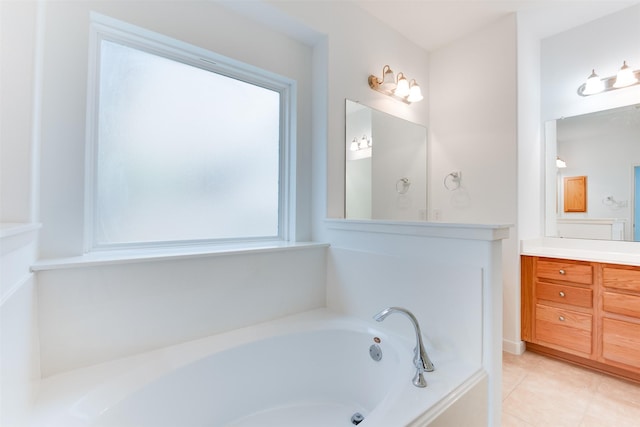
(386, 166)
(603, 147)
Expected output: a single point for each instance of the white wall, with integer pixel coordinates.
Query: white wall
(17, 22)
(19, 360)
(530, 167)
(473, 125)
(357, 45)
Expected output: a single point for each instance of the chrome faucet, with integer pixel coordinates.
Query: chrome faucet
(420, 358)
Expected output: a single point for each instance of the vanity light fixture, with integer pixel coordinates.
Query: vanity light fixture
(626, 77)
(401, 88)
(363, 143)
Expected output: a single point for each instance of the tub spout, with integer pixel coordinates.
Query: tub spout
(420, 358)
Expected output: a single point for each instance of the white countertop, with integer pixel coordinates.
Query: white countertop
(608, 251)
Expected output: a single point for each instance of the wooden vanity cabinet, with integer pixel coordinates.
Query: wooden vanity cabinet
(584, 312)
(560, 305)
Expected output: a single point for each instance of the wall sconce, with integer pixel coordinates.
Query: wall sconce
(401, 88)
(362, 144)
(560, 163)
(626, 77)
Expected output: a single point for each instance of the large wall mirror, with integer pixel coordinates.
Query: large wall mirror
(386, 166)
(598, 155)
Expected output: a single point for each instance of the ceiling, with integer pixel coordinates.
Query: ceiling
(435, 23)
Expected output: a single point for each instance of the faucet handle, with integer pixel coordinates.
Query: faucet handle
(418, 379)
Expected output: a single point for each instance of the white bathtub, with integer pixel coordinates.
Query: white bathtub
(311, 369)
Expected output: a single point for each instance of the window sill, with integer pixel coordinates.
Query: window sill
(165, 254)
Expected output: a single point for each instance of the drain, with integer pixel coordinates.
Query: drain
(357, 418)
(375, 352)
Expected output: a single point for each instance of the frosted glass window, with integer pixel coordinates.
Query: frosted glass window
(183, 153)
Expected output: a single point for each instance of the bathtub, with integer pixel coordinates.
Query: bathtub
(312, 369)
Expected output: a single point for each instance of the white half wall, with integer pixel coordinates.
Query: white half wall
(448, 275)
(19, 352)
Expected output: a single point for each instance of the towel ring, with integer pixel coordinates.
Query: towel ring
(402, 185)
(452, 181)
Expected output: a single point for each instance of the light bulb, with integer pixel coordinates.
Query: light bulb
(388, 79)
(402, 89)
(415, 94)
(625, 77)
(593, 84)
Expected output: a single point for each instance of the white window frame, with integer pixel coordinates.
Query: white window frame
(106, 28)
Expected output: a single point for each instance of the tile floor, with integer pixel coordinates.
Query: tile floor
(539, 391)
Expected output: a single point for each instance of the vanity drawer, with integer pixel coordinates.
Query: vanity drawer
(628, 305)
(569, 271)
(621, 342)
(582, 297)
(621, 278)
(564, 328)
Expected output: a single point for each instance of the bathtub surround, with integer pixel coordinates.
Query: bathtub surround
(98, 313)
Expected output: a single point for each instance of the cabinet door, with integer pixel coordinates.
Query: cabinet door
(575, 194)
(621, 342)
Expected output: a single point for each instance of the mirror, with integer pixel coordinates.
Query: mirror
(386, 166)
(602, 148)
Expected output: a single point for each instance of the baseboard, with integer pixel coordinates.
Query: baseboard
(513, 347)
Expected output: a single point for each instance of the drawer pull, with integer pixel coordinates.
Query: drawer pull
(562, 294)
(562, 272)
(561, 318)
